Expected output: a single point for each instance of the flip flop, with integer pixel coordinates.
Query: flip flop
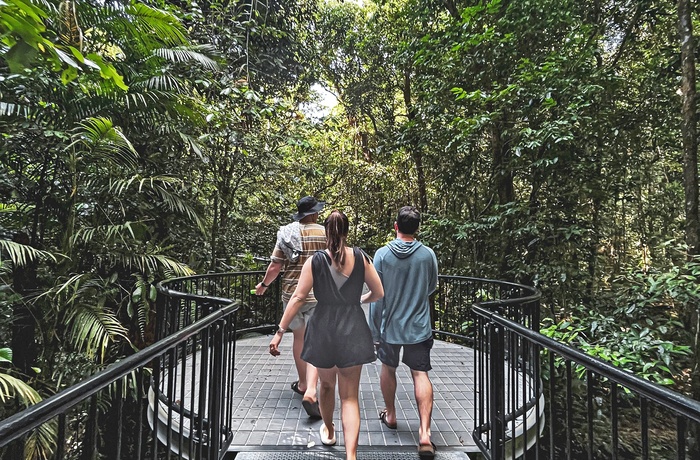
(295, 388)
(325, 440)
(312, 409)
(382, 417)
(427, 451)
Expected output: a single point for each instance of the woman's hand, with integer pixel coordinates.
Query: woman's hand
(274, 344)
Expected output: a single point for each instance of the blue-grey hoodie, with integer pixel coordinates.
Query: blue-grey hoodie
(408, 271)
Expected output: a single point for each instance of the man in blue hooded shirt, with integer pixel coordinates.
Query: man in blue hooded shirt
(408, 270)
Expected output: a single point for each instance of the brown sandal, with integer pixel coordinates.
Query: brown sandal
(427, 451)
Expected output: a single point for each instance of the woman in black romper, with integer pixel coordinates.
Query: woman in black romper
(338, 340)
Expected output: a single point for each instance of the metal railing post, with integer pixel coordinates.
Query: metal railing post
(216, 397)
(496, 390)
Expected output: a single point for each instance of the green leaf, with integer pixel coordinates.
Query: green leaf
(5, 355)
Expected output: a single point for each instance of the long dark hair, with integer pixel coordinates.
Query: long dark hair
(337, 227)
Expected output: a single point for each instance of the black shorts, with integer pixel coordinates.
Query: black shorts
(416, 355)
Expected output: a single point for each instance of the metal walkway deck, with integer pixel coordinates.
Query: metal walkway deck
(269, 415)
(401, 455)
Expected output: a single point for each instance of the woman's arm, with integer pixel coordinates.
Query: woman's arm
(306, 282)
(376, 290)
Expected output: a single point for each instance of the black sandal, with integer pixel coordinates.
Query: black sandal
(295, 388)
(312, 409)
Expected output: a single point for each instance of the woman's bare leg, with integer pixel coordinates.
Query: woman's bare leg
(326, 397)
(349, 389)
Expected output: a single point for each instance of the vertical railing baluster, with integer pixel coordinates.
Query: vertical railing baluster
(192, 449)
(181, 411)
(90, 445)
(589, 407)
(644, 409)
(681, 432)
(552, 390)
(203, 393)
(497, 382)
(61, 436)
(512, 388)
(614, 419)
(170, 397)
(120, 394)
(569, 409)
(141, 400)
(217, 394)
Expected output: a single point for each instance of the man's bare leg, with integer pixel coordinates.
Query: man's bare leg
(387, 382)
(423, 390)
(297, 347)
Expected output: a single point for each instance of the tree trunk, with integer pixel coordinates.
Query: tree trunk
(416, 153)
(503, 180)
(690, 182)
(689, 127)
(23, 345)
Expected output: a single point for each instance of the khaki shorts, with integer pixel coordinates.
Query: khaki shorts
(303, 315)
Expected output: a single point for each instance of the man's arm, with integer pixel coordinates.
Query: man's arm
(270, 275)
(433, 273)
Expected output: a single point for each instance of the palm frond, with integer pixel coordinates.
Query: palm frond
(159, 185)
(92, 328)
(11, 110)
(154, 263)
(107, 233)
(11, 387)
(41, 442)
(22, 254)
(162, 83)
(193, 143)
(182, 54)
(156, 23)
(105, 141)
(177, 204)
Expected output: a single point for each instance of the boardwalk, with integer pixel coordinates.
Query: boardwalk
(269, 415)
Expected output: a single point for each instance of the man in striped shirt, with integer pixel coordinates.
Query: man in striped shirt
(296, 242)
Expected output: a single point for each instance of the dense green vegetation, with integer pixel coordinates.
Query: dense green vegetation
(550, 142)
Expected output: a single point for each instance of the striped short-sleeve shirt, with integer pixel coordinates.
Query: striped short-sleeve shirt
(313, 238)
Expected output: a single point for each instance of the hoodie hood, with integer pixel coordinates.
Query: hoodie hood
(404, 249)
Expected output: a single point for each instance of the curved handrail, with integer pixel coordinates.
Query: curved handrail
(17, 425)
(676, 402)
(452, 304)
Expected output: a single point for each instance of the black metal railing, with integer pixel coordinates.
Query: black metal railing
(517, 370)
(109, 415)
(175, 399)
(595, 410)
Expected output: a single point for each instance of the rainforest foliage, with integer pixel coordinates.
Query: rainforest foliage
(548, 142)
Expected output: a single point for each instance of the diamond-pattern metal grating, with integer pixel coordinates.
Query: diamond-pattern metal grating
(383, 455)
